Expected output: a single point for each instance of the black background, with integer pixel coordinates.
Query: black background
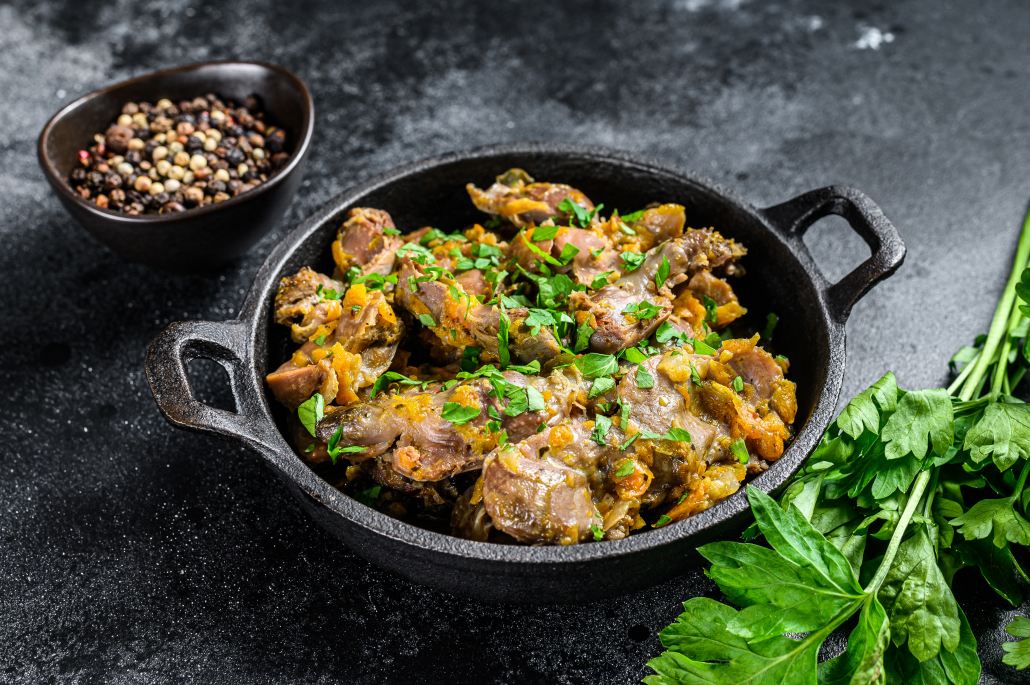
(133, 552)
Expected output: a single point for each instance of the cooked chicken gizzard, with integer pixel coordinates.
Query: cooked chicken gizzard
(550, 376)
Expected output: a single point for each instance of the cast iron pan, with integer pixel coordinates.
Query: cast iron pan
(781, 277)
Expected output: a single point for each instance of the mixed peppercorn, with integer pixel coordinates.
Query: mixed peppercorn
(170, 157)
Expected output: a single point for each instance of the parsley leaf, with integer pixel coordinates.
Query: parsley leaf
(542, 233)
(631, 261)
(864, 410)
(677, 435)
(633, 217)
(711, 310)
(1017, 653)
(644, 378)
(427, 320)
(920, 413)
(600, 386)
(634, 355)
(738, 384)
(625, 469)
(311, 411)
(770, 325)
(997, 515)
(663, 272)
(458, 414)
(1003, 434)
(568, 252)
(642, 310)
(320, 340)
(470, 358)
(595, 365)
(598, 533)
(583, 333)
(739, 450)
(502, 341)
(600, 280)
(602, 424)
(384, 381)
(667, 332)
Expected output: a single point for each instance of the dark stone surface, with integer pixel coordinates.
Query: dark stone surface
(130, 551)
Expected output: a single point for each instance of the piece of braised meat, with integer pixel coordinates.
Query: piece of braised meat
(516, 198)
(362, 241)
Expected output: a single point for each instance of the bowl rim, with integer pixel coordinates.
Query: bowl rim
(60, 184)
(284, 458)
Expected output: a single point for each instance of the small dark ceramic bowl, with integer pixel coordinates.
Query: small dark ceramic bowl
(781, 277)
(198, 238)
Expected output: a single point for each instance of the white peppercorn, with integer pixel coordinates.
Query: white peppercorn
(188, 178)
(156, 188)
(222, 175)
(163, 167)
(125, 120)
(210, 144)
(175, 147)
(214, 133)
(124, 168)
(163, 103)
(242, 169)
(171, 185)
(198, 162)
(159, 153)
(142, 184)
(176, 172)
(258, 153)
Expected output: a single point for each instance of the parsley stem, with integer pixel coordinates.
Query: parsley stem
(966, 370)
(1000, 376)
(1019, 485)
(1000, 323)
(899, 532)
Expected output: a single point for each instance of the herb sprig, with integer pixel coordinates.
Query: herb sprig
(905, 489)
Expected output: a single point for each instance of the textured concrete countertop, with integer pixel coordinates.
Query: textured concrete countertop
(134, 552)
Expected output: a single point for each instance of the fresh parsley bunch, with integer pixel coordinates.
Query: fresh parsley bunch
(905, 489)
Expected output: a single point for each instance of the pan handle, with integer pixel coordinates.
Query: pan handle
(794, 217)
(224, 342)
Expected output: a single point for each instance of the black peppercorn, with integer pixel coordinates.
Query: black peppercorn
(149, 148)
(279, 160)
(130, 108)
(194, 144)
(187, 119)
(133, 157)
(235, 157)
(117, 197)
(171, 207)
(161, 199)
(214, 186)
(112, 180)
(252, 103)
(95, 179)
(133, 196)
(251, 175)
(78, 175)
(143, 133)
(232, 186)
(263, 166)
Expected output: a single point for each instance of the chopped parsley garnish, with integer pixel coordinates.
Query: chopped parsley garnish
(436, 234)
(770, 325)
(644, 378)
(711, 310)
(542, 233)
(595, 365)
(390, 231)
(642, 310)
(458, 414)
(391, 376)
(677, 435)
(598, 533)
(583, 215)
(701, 347)
(309, 449)
(539, 318)
(502, 340)
(600, 280)
(632, 260)
(369, 496)
(335, 450)
(602, 424)
(695, 377)
(567, 253)
(320, 340)
(663, 272)
(530, 368)
(583, 333)
(311, 411)
(624, 416)
(633, 217)
(427, 320)
(600, 387)
(356, 308)
(625, 469)
(667, 332)
(330, 294)
(662, 520)
(781, 358)
(739, 450)
(632, 439)
(634, 355)
(596, 253)
(738, 384)
(470, 358)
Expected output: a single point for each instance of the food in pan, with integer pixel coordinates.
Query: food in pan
(165, 157)
(550, 376)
